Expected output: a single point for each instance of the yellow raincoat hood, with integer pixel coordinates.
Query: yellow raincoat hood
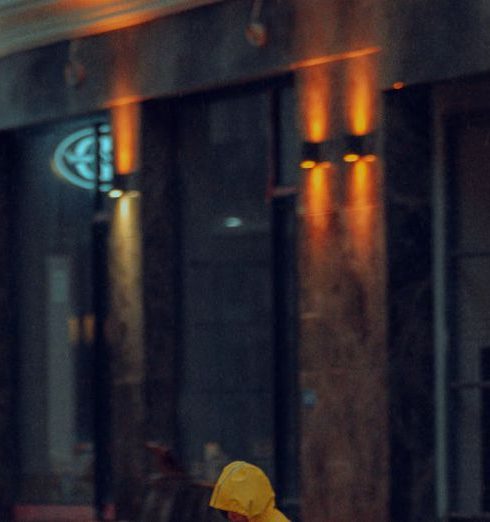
(245, 489)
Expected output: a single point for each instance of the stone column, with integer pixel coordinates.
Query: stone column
(127, 342)
(343, 354)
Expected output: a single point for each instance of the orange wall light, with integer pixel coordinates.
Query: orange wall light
(359, 147)
(316, 154)
(126, 124)
(314, 112)
(361, 90)
(314, 100)
(363, 218)
(318, 200)
(361, 103)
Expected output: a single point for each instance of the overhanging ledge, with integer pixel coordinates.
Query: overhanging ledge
(27, 24)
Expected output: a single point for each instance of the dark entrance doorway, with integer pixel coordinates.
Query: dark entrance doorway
(237, 151)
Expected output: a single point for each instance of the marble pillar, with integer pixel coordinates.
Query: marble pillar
(343, 354)
(126, 337)
(343, 314)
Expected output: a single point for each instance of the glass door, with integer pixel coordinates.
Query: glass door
(238, 374)
(55, 194)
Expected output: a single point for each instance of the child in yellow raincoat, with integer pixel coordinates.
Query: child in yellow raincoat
(245, 494)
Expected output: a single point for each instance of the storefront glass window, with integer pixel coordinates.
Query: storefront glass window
(55, 323)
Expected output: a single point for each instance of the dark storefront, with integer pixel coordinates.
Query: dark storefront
(295, 273)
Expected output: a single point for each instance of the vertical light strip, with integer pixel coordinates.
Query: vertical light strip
(314, 91)
(361, 90)
(126, 134)
(314, 101)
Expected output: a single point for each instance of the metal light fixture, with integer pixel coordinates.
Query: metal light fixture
(124, 184)
(359, 147)
(256, 31)
(316, 154)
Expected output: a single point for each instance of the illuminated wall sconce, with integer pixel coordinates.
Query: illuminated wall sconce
(359, 147)
(316, 154)
(124, 184)
(126, 125)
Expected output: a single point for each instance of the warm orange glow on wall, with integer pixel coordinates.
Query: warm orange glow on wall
(334, 58)
(125, 222)
(317, 191)
(126, 133)
(364, 206)
(123, 208)
(317, 196)
(361, 94)
(314, 98)
(360, 186)
(124, 93)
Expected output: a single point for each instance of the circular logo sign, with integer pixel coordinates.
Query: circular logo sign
(74, 158)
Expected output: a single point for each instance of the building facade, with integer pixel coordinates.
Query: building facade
(295, 270)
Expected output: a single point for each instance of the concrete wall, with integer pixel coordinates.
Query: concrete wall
(179, 54)
(419, 42)
(426, 41)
